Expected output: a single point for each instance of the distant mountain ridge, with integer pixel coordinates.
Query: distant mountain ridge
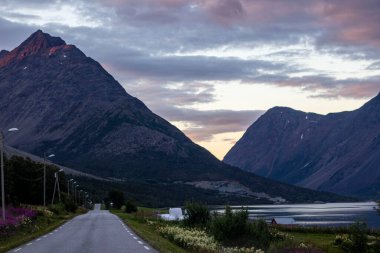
(66, 103)
(339, 152)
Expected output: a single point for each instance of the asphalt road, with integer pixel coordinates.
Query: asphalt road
(97, 231)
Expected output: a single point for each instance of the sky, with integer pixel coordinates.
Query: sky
(212, 67)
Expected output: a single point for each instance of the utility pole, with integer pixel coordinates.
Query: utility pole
(52, 155)
(68, 187)
(44, 179)
(55, 185)
(2, 175)
(2, 146)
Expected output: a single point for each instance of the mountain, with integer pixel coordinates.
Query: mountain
(337, 152)
(66, 103)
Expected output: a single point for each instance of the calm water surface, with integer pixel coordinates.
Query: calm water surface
(329, 214)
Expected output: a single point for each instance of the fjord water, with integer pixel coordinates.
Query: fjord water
(328, 214)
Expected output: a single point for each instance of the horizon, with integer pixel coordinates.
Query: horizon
(224, 69)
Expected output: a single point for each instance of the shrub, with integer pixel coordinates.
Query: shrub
(196, 214)
(16, 218)
(70, 205)
(57, 208)
(375, 245)
(236, 226)
(130, 207)
(260, 233)
(230, 225)
(359, 237)
(241, 250)
(354, 242)
(192, 239)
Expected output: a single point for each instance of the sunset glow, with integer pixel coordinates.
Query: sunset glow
(213, 67)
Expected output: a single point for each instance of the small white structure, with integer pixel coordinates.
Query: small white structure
(283, 221)
(174, 214)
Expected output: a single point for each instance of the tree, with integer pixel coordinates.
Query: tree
(358, 237)
(196, 214)
(130, 207)
(117, 198)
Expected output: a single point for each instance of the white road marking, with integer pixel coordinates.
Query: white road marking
(29, 244)
(146, 247)
(140, 242)
(44, 236)
(135, 237)
(17, 249)
(38, 239)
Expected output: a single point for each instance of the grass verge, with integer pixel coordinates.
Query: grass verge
(148, 232)
(322, 241)
(41, 226)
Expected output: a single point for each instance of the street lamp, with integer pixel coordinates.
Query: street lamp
(49, 156)
(2, 145)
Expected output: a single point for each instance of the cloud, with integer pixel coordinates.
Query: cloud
(203, 125)
(189, 68)
(158, 49)
(12, 34)
(172, 94)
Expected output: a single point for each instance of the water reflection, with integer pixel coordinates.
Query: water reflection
(329, 214)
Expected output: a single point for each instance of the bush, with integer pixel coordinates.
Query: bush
(359, 237)
(192, 239)
(16, 218)
(236, 226)
(130, 207)
(198, 240)
(70, 205)
(230, 225)
(261, 234)
(196, 214)
(354, 242)
(375, 246)
(57, 208)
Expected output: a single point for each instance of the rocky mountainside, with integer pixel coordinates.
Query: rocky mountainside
(65, 103)
(338, 152)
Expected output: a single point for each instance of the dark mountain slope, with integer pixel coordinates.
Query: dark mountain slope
(339, 152)
(65, 103)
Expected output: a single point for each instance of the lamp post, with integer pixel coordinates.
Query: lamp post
(2, 146)
(51, 155)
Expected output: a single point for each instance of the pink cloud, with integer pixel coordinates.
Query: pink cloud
(351, 21)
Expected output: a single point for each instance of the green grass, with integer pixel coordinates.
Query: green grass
(322, 241)
(41, 226)
(148, 232)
